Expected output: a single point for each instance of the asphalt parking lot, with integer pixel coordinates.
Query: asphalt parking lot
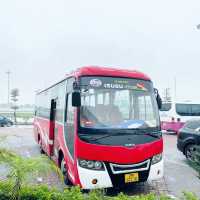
(179, 176)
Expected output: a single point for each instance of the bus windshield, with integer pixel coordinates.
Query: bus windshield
(117, 103)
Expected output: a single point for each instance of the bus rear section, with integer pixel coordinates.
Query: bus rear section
(108, 133)
(174, 115)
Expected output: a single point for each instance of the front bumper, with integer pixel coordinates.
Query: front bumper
(156, 171)
(107, 178)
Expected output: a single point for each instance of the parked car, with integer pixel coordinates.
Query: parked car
(188, 138)
(5, 121)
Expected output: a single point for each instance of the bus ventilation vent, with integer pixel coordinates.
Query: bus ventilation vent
(119, 169)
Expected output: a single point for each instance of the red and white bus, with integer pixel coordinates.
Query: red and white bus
(101, 126)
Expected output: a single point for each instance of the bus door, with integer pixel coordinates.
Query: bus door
(51, 135)
(69, 134)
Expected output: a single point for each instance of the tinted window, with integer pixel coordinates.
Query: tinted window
(60, 99)
(192, 124)
(43, 102)
(188, 109)
(166, 107)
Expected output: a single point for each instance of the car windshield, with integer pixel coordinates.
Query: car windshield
(194, 124)
(116, 103)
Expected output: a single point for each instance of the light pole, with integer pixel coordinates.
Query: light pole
(175, 88)
(8, 74)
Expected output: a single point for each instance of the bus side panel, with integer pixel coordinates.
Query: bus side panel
(41, 130)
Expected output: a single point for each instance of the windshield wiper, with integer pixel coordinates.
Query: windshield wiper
(93, 139)
(155, 134)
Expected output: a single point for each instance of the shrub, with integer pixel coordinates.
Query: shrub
(16, 187)
(42, 192)
(190, 196)
(97, 195)
(20, 169)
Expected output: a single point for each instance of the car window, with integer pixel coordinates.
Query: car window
(1, 118)
(193, 124)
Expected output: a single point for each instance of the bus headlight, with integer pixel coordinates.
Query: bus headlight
(91, 164)
(157, 158)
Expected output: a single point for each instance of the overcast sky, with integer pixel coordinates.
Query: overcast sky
(42, 40)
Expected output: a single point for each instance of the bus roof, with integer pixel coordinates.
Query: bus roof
(102, 71)
(106, 71)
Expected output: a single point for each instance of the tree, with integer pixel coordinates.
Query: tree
(14, 99)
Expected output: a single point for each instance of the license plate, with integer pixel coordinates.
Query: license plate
(130, 178)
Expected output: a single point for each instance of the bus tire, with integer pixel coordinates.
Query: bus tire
(64, 172)
(41, 149)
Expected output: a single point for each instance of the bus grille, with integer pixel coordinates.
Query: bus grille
(119, 169)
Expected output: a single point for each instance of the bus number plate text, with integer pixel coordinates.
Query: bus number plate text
(130, 178)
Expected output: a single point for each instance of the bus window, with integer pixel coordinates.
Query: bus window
(60, 99)
(188, 109)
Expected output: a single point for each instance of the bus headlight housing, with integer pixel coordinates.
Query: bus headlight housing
(156, 159)
(91, 164)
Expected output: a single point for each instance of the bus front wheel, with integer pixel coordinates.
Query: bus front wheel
(41, 148)
(64, 172)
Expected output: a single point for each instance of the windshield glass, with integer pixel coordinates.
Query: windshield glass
(188, 109)
(117, 103)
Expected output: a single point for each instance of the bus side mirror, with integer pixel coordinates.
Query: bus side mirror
(158, 98)
(76, 99)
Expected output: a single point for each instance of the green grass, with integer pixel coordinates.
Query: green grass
(24, 115)
(19, 113)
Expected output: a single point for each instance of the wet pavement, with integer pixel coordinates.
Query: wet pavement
(179, 176)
